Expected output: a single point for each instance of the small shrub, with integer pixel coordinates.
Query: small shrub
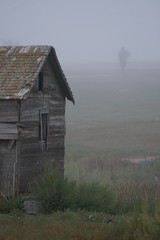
(95, 197)
(48, 189)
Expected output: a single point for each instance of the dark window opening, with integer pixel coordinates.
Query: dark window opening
(43, 130)
(40, 84)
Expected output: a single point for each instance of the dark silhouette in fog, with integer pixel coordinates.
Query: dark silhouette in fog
(123, 57)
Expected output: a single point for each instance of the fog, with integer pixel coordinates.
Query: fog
(88, 35)
(86, 31)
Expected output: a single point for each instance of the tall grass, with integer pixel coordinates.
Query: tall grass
(90, 210)
(57, 193)
(108, 168)
(134, 192)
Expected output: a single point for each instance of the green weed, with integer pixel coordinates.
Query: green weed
(11, 204)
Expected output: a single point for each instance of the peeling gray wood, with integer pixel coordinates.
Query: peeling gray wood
(8, 136)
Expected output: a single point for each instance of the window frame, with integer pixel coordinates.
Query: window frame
(43, 129)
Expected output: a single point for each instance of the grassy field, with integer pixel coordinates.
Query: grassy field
(80, 226)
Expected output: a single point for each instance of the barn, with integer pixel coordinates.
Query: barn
(33, 92)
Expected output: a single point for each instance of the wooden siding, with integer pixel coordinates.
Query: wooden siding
(51, 101)
(8, 111)
(9, 117)
(8, 165)
(8, 131)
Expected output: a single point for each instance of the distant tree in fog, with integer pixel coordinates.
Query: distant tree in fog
(123, 56)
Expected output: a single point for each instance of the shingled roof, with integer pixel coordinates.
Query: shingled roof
(19, 69)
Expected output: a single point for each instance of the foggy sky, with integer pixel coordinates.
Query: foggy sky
(84, 30)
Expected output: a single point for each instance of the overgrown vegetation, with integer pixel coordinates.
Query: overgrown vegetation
(84, 211)
(57, 193)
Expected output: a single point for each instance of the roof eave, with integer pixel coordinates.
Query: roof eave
(61, 76)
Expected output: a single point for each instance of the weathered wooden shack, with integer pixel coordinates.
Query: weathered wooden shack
(33, 91)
